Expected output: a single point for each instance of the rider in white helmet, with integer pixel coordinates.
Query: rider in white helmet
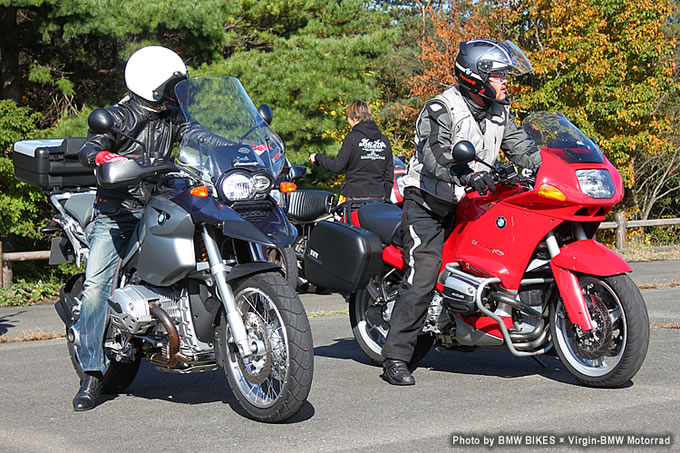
(149, 116)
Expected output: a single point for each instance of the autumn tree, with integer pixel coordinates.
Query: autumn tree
(607, 65)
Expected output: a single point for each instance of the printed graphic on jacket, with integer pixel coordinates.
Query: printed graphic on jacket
(372, 149)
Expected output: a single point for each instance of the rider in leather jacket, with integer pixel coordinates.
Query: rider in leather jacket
(148, 116)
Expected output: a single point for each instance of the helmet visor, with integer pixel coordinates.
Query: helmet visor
(504, 57)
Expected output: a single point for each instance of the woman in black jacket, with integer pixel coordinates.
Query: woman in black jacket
(365, 156)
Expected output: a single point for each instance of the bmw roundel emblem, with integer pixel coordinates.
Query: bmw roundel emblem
(162, 217)
(468, 71)
(501, 222)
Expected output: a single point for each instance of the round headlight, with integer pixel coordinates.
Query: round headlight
(261, 183)
(237, 186)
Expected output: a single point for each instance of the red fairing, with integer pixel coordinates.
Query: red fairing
(591, 257)
(394, 257)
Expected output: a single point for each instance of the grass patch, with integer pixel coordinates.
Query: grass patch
(319, 314)
(37, 335)
(671, 284)
(28, 293)
(634, 253)
(664, 325)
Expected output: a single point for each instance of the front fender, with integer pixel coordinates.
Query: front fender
(586, 257)
(590, 257)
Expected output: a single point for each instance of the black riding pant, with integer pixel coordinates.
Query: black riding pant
(423, 233)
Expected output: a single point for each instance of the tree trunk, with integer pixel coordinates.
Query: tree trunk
(9, 54)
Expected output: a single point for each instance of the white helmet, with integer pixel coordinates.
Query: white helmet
(152, 73)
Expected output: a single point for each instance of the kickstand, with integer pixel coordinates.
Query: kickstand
(540, 362)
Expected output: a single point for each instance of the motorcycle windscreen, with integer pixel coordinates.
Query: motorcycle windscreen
(554, 132)
(224, 129)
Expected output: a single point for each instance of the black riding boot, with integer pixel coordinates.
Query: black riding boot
(90, 388)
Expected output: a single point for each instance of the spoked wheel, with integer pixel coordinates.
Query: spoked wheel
(272, 384)
(285, 257)
(118, 375)
(370, 326)
(613, 351)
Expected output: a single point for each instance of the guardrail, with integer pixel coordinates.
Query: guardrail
(620, 223)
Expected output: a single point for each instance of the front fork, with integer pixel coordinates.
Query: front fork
(568, 285)
(219, 271)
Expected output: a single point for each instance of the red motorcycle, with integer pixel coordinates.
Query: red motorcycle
(521, 269)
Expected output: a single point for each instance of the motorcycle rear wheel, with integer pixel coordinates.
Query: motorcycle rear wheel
(613, 352)
(371, 331)
(118, 375)
(271, 385)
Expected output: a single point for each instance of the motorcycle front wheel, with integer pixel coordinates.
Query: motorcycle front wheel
(285, 257)
(118, 375)
(370, 329)
(273, 383)
(613, 351)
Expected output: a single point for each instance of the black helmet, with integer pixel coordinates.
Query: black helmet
(480, 57)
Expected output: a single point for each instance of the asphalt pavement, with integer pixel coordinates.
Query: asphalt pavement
(460, 402)
(42, 318)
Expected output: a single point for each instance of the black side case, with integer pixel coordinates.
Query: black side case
(342, 257)
(49, 164)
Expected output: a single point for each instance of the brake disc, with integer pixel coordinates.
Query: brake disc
(257, 369)
(595, 343)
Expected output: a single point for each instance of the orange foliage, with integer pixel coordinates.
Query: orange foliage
(450, 23)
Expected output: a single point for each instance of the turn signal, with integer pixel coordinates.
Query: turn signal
(552, 192)
(200, 191)
(287, 187)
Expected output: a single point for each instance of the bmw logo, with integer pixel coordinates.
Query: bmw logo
(501, 222)
(162, 217)
(468, 71)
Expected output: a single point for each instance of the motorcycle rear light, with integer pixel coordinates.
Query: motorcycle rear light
(286, 187)
(596, 183)
(200, 191)
(551, 192)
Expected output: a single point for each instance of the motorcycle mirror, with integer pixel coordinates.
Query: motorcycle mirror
(464, 152)
(100, 121)
(266, 113)
(297, 172)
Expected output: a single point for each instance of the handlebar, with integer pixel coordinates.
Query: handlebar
(129, 172)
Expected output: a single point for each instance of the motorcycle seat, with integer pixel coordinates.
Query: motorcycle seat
(81, 207)
(383, 219)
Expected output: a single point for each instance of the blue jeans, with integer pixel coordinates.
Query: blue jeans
(113, 227)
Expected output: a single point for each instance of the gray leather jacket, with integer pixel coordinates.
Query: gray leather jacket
(447, 119)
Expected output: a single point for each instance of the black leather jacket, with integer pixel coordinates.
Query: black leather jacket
(157, 130)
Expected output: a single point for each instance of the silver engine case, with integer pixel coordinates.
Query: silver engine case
(130, 308)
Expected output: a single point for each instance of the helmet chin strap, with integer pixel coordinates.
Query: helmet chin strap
(150, 106)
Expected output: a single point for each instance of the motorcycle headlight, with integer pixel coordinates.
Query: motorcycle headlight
(236, 186)
(596, 183)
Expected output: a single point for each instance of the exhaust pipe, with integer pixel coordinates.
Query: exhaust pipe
(173, 356)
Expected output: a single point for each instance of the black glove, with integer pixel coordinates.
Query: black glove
(481, 181)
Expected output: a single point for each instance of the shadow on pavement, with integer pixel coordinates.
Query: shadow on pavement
(193, 388)
(6, 322)
(479, 362)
